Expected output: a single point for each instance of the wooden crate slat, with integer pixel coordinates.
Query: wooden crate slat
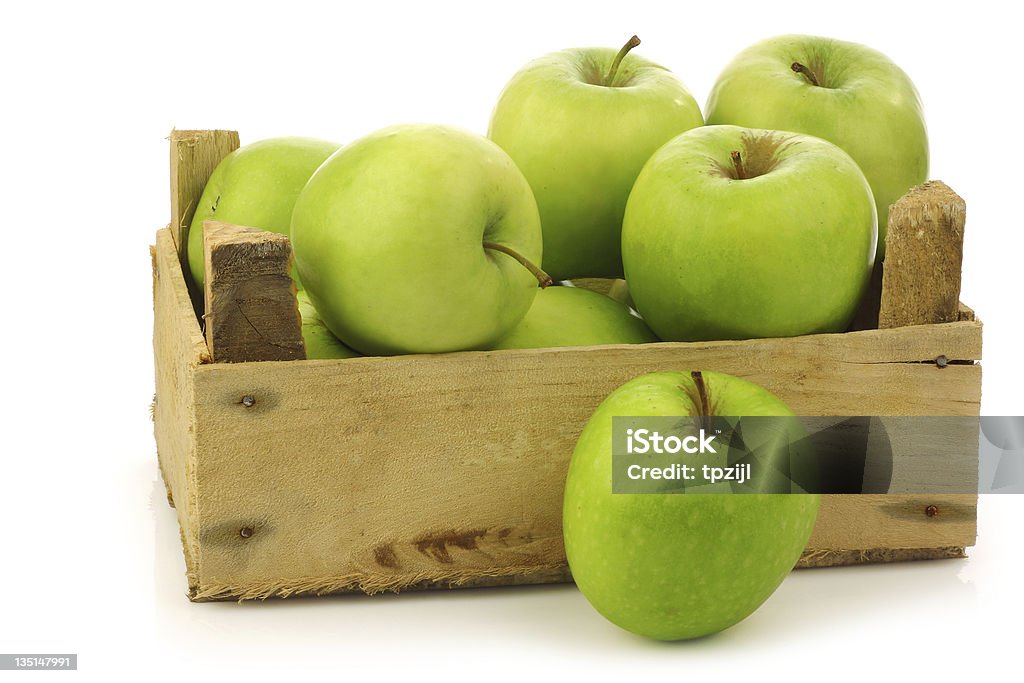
(194, 156)
(923, 256)
(359, 453)
(251, 311)
(180, 350)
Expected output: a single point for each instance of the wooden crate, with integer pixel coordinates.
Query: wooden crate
(320, 476)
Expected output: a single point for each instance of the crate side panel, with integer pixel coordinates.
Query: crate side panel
(854, 522)
(384, 473)
(178, 349)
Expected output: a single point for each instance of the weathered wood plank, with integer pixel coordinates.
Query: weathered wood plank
(179, 348)
(890, 521)
(923, 256)
(251, 310)
(613, 288)
(813, 559)
(170, 299)
(600, 285)
(194, 156)
(450, 468)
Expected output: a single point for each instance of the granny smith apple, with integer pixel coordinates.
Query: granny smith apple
(319, 341)
(580, 123)
(672, 566)
(572, 316)
(256, 186)
(418, 239)
(734, 233)
(847, 93)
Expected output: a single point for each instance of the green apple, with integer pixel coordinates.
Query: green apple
(733, 233)
(319, 341)
(256, 186)
(580, 123)
(572, 316)
(847, 93)
(672, 566)
(418, 239)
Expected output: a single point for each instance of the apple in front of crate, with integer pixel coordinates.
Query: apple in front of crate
(256, 186)
(572, 316)
(846, 93)
(418, 239)
(671, 566)
(734, 233)
(580, 123)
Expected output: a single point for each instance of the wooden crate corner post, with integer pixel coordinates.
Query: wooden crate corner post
(194, 156)
(250, 303)
(923, 256)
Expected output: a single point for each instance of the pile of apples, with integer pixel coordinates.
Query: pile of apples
(598, 164)
(767, 221)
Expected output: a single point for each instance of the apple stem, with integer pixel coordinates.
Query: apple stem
(803, 70)
(703, 399)
(543, 278)
(630, 44)
(737, 162)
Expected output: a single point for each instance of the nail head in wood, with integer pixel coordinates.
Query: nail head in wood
(931, 511)
(246, 532)
(942, 361)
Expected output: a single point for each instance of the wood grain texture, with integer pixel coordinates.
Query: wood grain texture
(811, 558)
(924, 252)
(895, 521)
(383, 473)
(179, 349)
(251, 311)
(613, 288)
(816, 559)
(600, 285)
(194, 156)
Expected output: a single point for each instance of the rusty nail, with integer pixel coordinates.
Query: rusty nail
(942, 361)
(248, 401)
(246, 532)
(931, 511)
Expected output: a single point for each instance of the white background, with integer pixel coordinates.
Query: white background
(89, 554)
